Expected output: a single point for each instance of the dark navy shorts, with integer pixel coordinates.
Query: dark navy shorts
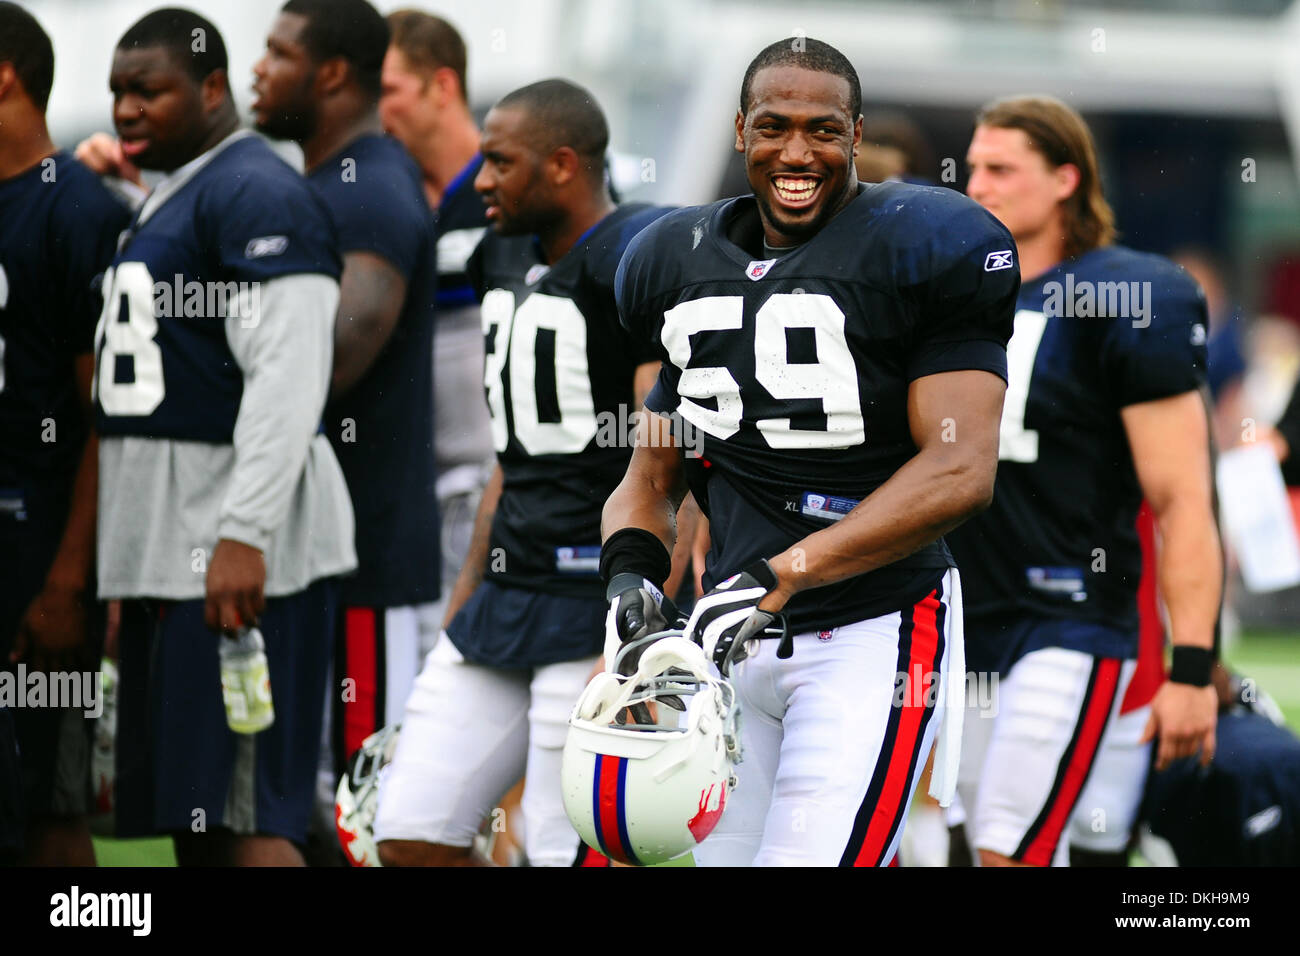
(994, 644)
(516, 627)
(179, 766)
(54, 744)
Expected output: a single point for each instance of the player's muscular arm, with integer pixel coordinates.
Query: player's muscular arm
(371, 294)
(953, 417)
(683, 557)
(53, 630)
(471, 572)
(1169, 439)
(688, 515)
(653, 488)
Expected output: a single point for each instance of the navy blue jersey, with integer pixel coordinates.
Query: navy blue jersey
(1111, 328)
(461, 222)
(191, 260)
(58, 230)
(788, 378)
(382, 428)
(559, 376)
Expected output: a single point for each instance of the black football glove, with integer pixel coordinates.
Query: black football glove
(637, 609)
(728, 616)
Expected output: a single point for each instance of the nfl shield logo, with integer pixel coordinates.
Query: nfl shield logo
(816, 502)
(535, 273)
(758, 268)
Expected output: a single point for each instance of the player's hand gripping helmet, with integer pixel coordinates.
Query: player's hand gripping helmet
(646, 793)
(357, 800)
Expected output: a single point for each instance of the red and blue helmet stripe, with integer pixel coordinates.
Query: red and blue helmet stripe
(609, 808)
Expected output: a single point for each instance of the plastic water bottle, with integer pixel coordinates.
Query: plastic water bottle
(246, 682)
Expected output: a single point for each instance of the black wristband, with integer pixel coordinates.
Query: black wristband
(623, 581)
(635, 551)
(1191, 665)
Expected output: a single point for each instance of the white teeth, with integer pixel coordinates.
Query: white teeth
(795, 189)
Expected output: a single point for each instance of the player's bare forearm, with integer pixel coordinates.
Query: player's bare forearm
(371, 293)
(52, 634)
(954, 419)
(653, 487)
(72, 564)
(643, 380)
(688, 520)
(1190, 571)
(1169, 439)
(476, 558)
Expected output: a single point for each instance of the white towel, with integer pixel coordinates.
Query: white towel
(952, 692)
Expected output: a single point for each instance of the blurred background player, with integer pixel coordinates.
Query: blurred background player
(894, 147)
(58, 231)
(424, 105)
(1103, 406)
(1102, 826)
(525, 621)
(318, 84)
(222, 504)
(1244, 809)
(823, 336)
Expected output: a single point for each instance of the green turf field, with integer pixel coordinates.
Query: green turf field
(1272, 659)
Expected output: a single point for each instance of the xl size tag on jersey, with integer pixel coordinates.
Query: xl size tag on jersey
(581, 560)
(826, 507)
(1065, 581)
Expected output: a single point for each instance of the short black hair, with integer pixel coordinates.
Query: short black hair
(351, 29)
(192, 39)
(563, 114)
(24, 44)
(808, 54)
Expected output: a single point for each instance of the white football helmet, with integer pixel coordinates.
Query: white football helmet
(644, 793)
(357, 800)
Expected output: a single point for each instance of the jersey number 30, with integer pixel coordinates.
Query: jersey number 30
(832, 378)
(545, 328)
